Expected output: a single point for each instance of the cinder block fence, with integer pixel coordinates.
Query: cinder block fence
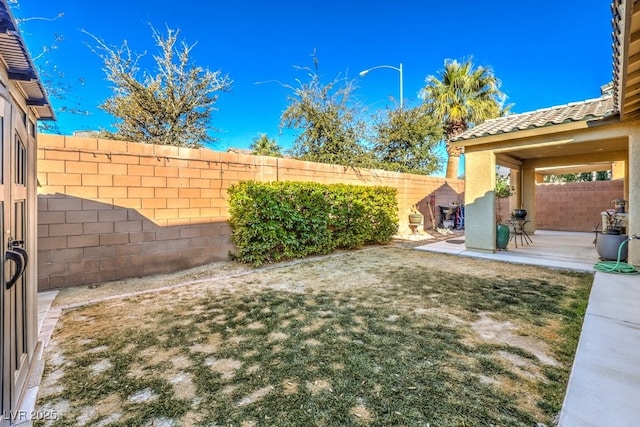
(111, 209)
(575, 206)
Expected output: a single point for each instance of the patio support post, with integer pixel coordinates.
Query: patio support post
(528, 190)
(633, 168)
(516, 202)
(480, 202)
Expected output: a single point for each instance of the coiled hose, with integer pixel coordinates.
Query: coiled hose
(618, 266)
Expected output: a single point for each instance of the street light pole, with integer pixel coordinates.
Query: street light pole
(399, 69)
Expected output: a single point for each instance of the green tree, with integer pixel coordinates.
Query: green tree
(172, 106)
(265, 146)
(329, 124)
(405, 141)
(463, 96)
(578, 177)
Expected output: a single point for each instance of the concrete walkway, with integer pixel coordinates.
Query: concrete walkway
(604, 385)
(47, 319)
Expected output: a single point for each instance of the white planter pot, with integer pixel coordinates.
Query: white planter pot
(607, 246)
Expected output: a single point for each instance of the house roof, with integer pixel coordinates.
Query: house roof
(617, 22)
(19, 65)
(625, 97)
(576, 111)
(626, 57)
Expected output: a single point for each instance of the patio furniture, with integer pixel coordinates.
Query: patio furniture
(517, 229)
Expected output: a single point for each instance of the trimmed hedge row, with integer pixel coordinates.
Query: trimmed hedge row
(284, 220)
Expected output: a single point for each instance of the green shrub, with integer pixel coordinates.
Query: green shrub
(285, 220)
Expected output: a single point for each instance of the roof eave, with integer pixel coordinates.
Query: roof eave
(20, 67)
(535, 132)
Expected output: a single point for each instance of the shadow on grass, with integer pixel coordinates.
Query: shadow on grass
(319, 358)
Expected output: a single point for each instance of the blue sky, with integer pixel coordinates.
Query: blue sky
(545, 53)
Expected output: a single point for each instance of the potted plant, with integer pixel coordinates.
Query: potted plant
(519, 214)
(612, 237)
(415, 217)
(503, 190)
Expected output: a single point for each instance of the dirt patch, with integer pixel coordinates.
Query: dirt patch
(255, 396)
(225, 367)
(100, 367)
(183, 386)
(491, 330)
(145, 395)
(255, 325)
(315, 326)
(318, 386)
(289, 387)
(521, 366)
(362, 413)
(211, 345)
(277, 336)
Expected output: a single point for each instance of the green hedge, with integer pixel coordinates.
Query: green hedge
(284, 220)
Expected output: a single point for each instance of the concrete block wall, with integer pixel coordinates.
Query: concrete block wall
(112, 209)
(575, 206)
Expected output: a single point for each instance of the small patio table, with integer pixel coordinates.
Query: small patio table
(517, 226)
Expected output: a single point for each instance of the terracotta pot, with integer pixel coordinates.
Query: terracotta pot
(415, 219)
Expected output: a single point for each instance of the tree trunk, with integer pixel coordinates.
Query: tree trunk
(452, 130)
(452, 166)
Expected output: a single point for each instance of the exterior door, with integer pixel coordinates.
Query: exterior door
(14, 252)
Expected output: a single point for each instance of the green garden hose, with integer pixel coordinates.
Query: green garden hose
(617, 267)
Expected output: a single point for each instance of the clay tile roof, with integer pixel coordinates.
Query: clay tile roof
(572, 112)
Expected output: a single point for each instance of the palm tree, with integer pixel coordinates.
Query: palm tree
(462, 97)
(265, 146)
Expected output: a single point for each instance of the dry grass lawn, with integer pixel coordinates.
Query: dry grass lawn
(381, 336)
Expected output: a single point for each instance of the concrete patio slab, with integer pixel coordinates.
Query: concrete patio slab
(554, 249)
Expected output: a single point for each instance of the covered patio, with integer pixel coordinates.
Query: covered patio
(577, 137)
(590, 135)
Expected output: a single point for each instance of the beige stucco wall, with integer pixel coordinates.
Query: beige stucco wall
(480, 204)
(528, 189)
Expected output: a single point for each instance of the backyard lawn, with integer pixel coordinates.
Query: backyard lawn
(383, 336)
